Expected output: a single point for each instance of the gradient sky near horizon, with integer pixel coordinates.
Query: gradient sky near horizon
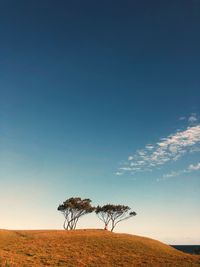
(101, 99)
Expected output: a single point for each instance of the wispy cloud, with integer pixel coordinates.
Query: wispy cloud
(118, 173)
(190, 168)
(165, 150)
(193, 118)
(182, 118)
(194, 167)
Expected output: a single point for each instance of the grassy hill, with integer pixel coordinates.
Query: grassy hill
(88, 248)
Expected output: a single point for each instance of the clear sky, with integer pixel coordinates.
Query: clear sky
(101, 99)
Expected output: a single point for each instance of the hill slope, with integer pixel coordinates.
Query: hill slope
(86, 248)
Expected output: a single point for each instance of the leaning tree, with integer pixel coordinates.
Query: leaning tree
(119, 213)
(74, 208)
(103, 214)
(114, 214)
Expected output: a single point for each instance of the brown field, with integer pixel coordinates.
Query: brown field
(87, 248)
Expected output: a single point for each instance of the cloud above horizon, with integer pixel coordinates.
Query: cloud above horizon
(171, 148)
(191, 119)
(190, 168)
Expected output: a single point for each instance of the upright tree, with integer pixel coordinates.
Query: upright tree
(74, 208)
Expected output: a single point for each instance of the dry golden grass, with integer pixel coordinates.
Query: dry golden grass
(90, 248)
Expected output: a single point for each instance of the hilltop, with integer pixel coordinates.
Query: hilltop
(89, 248)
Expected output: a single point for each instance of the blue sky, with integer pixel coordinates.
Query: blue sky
(101, 100)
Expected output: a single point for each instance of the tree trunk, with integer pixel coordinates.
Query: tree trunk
(64, 225)
(75, 223)
(113, 226)
(106, 227)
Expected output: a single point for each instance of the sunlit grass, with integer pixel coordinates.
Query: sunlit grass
(86, 248)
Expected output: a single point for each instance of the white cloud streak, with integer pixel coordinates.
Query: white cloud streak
(189, 169)
(118, 173)
(167, 149)
(194, 167)
(182, 118)
(192, 118)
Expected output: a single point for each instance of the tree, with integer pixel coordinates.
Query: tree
(119, 213)
(103, 214)
(74, 208)
(114, 214)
